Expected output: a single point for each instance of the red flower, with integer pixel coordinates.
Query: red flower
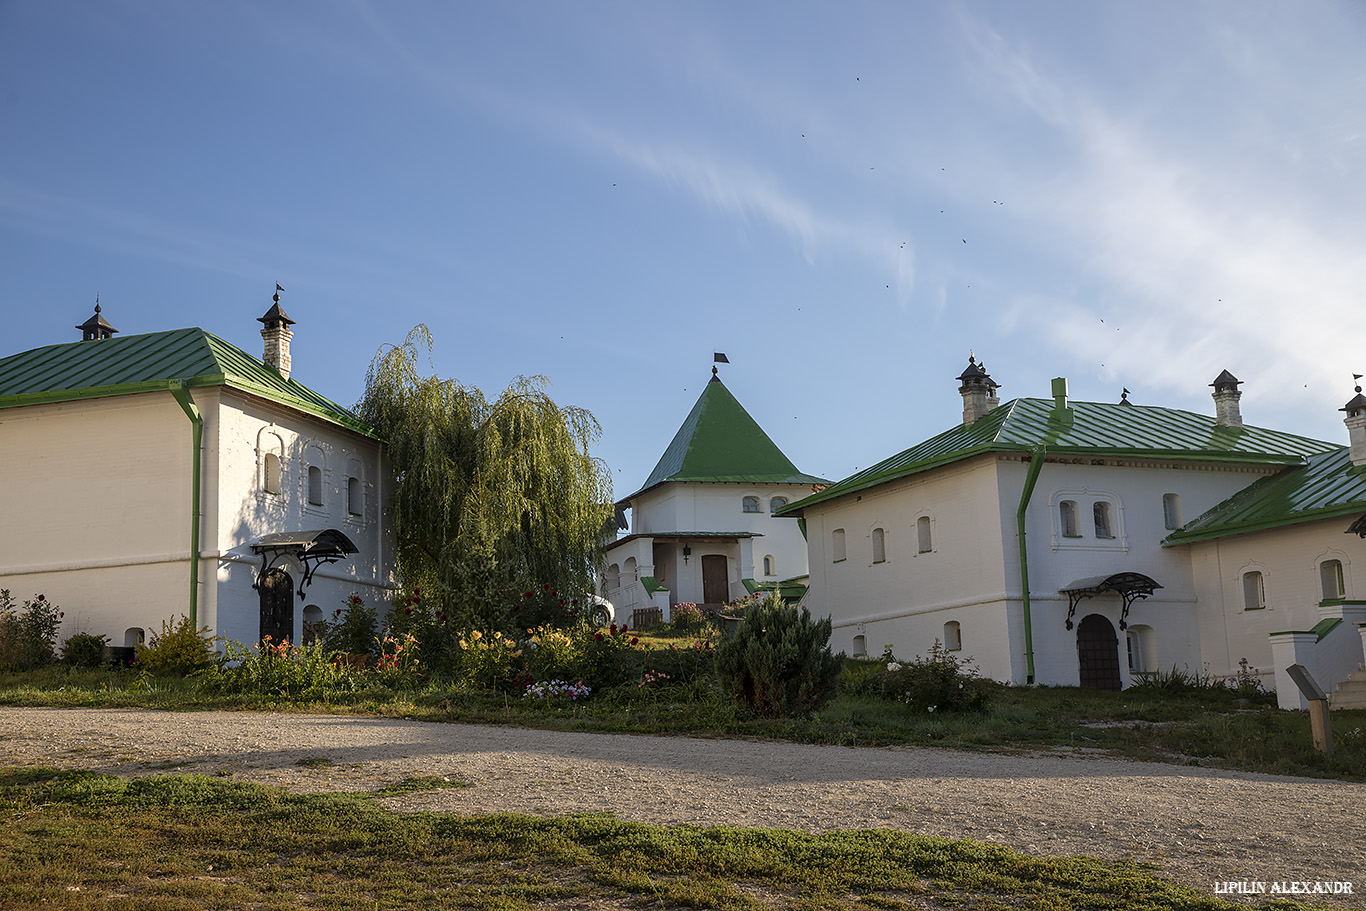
(598, 637)
(407, 611)
(42, 597)
(635, 641)
(575, 601)
(613, 629)
(554, 594)
(531, 594)
(624, 627)
(545, 586)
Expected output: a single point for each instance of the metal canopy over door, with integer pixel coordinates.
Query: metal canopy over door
(715, 579)
(1098, 653)
(277, 605)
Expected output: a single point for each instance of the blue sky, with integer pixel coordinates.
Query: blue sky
(843, 197)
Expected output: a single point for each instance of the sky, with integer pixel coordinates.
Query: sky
(845, 198)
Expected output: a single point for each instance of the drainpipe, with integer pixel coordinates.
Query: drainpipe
(182, 396)
(1035, 466)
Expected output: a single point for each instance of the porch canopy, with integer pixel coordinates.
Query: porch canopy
(1129, 586)
(1358, 527)
(310, 549)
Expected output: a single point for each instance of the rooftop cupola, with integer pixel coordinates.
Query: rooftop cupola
(277, 334)
(978, 390)
(96, 327)
(1356, 427)
(1226, 396)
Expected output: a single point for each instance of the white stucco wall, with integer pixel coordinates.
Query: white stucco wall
(95, 499)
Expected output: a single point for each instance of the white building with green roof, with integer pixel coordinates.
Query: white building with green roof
(1048, 539)
(148, 476)
(703, 526)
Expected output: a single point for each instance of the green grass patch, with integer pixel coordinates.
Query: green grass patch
(77, 840)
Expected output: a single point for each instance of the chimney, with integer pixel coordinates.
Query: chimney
(96, 327)
(1226, 396)
(277, 335)
(1356, 428)
(978, 390)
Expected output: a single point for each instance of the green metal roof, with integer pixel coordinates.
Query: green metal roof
(1328, 486)
(147, 363)
(720, 442)
(1086, 428)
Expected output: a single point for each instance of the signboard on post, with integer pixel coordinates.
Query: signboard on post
(1318, 707)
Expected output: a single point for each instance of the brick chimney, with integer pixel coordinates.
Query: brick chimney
(1356, 428)
(277, 335)
(1226, 396)
(978, 390)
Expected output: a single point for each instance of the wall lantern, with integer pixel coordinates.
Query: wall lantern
(687, 552)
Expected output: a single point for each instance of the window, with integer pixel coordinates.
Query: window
(1254, 595)
(1104, 527)
(837, 545)
(751, 504)
(133, 637)
(1330, 577)
(776, 504)
(355, 504)
(315, 486)
(1067, 512)
(272, 478)
(1171, 510)
(313, 624)
(768, 565)
(953, 636)
(1135, 652)
(879, 546)
(922, 532)
(613, 578)
(860, 647)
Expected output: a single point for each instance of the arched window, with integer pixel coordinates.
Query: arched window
(1067, 514)
(355, 502)
(133, 637)
(922, 533)
(1104, 526)
(1254, 594)
(860, 647)
(837, 545)
(769, 569)
(1171, 510)
(313, 624)
(751, 504)
(776, 504)
(879, 546)
(315, 486)
(953, 636)
(271, 481)
(613, 577)
(1330, 579)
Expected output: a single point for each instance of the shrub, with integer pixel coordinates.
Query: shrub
(180, 649)
(487, 660)
(937, 683)
(398, 665)
(352, 628)
(779, 664)
(84, 650)
(430, 627)
(280, 670)
(609, 657)
(28, 639)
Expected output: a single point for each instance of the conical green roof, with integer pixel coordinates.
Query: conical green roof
(720, 442)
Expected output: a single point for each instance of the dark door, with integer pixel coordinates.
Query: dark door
(277, 606)
(1098, 653)
(715, 587)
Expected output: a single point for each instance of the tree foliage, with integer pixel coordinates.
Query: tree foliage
(778, 664)
(489, 495)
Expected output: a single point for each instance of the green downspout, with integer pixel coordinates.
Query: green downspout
(1035, 466)
(182, 395)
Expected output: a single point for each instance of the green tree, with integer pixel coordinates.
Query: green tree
(778, 664)
(489, 495)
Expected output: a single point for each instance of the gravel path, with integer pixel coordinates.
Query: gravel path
(1199, 825)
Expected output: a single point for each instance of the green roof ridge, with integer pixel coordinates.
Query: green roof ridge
(720, 442)
(145, 363)
(1092, 428)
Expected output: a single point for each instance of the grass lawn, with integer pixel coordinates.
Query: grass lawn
(79, 840)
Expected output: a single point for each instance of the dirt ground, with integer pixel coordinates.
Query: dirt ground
(1200, 826)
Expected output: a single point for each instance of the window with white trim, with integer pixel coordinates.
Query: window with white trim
(750, 504)
(837, 545)
(1067, 514)
(1254, 592)
(1104, 521)
(271, 470)
(1171, 511)
(770, 567)
(1330, 579)
(860, 647)
(953, 636)
(879, 546)
(776, 504)
(355, 500)
(315, 486)
(922, 533)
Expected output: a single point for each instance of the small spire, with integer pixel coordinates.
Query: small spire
(1124, 398)
(97, 327)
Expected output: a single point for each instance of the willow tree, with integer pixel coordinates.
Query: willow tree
(489, 496)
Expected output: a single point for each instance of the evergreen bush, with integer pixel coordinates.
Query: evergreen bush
(779, 664)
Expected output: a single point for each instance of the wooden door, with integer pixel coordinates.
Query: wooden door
(1098, 653)
(277, 606)
(715, 579)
